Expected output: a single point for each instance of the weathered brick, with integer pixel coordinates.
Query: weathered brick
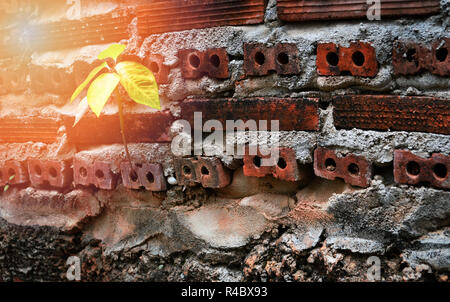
(23, 129)
(292, 113)
(415, 170)
(13, 168)
(359, 59)
(212, 62)
(294, 10)
(145, 175)
(139, 128)
(53, 173)
(410, 58)
(13, 76)
(354, 170)
(209, 172)
(260, 60)
(388, 112)
(284, 167)
(52, 79)
(98, 174)
(155, 63)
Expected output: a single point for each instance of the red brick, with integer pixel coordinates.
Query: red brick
(81, 70)
(13, 76)
(98, 174)
(13, 168)
(260, 60)
(176, 15)
(52, 79)
(294, 10)
(415, 170)
(212, 62)
(354, 170)
(207, 171)
(411, 58)
(146, 175)
(399, 113)
(285, 167)
(53, 173)
(155, 63)
(359, 59)
(139, 128)
(22, 129)
(301, 114)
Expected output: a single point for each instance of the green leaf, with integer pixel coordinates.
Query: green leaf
(100, 91)
(113, 51)
(89, 78)
(12, 177)
(139, 82)
(6, 188)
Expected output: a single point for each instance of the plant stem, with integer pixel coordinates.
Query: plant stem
(122, 125)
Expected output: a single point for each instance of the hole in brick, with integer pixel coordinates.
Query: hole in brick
(83, 172)
(53, 172)
(205, 171)
(410, 54)
(99, 174)
(358, 58)
(330, 164)
(1, 176)
(413, 168)
(282, 163)
(133, 176)
(353, 169)
(260, 58)
(37, 170)
(332, 58)
(215, 60)
(150, 177)
(441, 54)
(194, 60)
(187, 170)
(257, 161)
(154, 67)
(440, 170)
(283, 58)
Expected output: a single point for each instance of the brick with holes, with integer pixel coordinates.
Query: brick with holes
(211, 173)
(354, 170)
(155, 62)
(212, 62)
(146, 175)
(185, 169)
(415, 170)
(208, 171)
(282, 164)
(13, 172)
(52, 80)
(54, 173)
(410, 58)
(359, 59)
(260, 60)
(98, 174)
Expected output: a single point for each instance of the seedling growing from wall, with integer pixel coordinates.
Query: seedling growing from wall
(136, 79)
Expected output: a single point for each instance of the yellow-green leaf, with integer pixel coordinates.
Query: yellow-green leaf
(113, 51)
(6, 188)
(89, 78)
(139, 82)
(100, 91)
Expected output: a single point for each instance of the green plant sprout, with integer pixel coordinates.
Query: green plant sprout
(6, 188)
(137, 80)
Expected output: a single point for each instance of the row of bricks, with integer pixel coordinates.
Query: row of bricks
(371, 112)
(359, 59)
(59, 174)
(152, 18)
(211, 173)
